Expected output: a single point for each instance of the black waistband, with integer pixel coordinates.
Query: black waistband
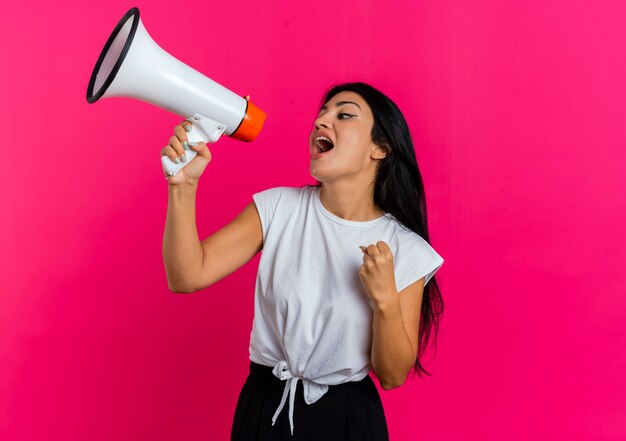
(264, 374)
(260, 369)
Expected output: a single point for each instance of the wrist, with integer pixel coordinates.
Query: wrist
(387, 303)
(186, 185)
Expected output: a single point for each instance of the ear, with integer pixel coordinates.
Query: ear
(380, 152)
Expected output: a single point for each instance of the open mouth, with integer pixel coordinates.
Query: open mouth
(323, 144)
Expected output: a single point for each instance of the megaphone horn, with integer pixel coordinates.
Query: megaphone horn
(132, 65)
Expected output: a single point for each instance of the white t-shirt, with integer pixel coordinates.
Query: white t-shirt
(312, 316)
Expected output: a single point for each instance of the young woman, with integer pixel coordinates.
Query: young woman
(343, 281)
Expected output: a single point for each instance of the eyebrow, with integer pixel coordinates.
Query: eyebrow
(341, 103)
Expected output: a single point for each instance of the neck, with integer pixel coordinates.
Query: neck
(350, 202)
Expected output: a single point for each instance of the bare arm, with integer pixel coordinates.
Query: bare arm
(231, 247)
(395, 335)
(182, 252)
(192, 265)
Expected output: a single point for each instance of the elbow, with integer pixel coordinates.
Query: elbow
(392, 383)
(178, 285)
(388, 385)
(180, 289)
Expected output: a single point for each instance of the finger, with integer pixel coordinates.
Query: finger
(178, 148)
(197, 146)
(372, 250)
(363, 249)
(169, 152)
(181, 134)
(383, 247)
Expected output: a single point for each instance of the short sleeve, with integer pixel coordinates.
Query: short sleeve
(266, 202)
(418, 260)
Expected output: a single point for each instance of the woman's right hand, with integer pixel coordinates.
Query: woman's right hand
(189, 174)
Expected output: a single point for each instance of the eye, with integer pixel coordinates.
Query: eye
(347, 114)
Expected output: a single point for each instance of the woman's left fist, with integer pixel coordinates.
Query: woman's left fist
(376, 272)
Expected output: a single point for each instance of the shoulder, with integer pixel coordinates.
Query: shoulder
(410, 245)
(414, 258)
(277, 194)
(278, 199)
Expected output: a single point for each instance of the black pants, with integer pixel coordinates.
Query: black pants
(349, 411)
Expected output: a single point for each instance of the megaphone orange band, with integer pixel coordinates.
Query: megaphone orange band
(251, 124)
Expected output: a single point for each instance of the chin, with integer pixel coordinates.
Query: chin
(316, 176)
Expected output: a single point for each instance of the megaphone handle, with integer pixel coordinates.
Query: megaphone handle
(203, 129)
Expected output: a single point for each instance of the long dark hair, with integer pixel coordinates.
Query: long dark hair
(399, 190)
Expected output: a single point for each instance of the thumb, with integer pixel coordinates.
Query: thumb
(201, 148)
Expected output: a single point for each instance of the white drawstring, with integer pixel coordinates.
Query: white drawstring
(311, 390)
(283, 373)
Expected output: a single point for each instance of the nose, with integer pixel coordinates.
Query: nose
(321, 121)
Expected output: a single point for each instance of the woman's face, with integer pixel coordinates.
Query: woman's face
(347, 120)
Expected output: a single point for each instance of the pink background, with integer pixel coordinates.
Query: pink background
(518, 113)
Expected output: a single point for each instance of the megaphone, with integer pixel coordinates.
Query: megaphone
(132, 65)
